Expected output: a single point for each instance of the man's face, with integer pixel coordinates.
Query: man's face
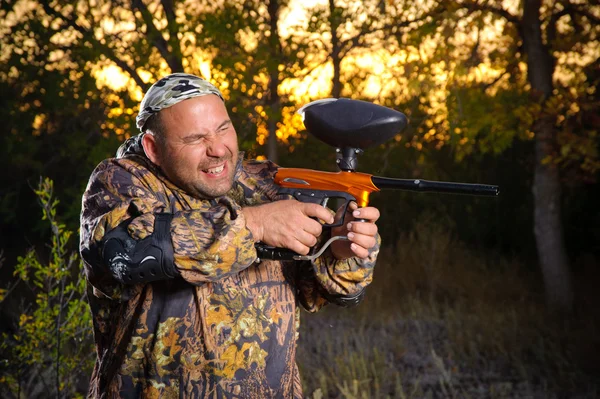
(199, 150)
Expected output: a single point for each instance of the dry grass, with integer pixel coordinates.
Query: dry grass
(443, 321)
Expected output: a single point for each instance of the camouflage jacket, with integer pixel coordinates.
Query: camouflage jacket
(225, 326)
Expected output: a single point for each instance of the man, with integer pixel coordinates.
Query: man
(181, 308)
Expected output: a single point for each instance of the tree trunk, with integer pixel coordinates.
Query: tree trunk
(273, 100)
(546, 185)
(336, 86)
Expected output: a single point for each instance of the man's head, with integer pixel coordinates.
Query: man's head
(188, 134)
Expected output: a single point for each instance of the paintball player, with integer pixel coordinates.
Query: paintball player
(181, 305)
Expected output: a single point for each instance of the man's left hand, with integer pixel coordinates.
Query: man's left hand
(361, 235)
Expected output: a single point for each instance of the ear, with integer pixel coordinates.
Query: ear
(151, 148)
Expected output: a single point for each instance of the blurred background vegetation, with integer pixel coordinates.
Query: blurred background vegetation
(473, 297)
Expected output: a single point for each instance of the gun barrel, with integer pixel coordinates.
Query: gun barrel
(435, 186)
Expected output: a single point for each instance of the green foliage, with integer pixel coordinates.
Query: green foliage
(53, 115)
(49, 349)
(482, 122)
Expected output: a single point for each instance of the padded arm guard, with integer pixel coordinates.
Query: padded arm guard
(134, 262)
(345, 301)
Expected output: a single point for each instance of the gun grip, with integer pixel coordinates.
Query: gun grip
(264, 251)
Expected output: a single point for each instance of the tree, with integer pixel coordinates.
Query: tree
(337, 35)
(540, 38)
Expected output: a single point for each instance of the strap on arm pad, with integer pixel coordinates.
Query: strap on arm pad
(345, 301)
(134, 262)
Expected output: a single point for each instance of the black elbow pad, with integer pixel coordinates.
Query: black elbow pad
(150, 259)
(346, 301)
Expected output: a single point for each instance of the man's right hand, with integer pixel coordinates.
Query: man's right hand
(287, 224)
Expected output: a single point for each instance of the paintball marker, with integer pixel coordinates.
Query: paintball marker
(350, 126)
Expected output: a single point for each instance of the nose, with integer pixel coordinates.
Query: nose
(216, 147)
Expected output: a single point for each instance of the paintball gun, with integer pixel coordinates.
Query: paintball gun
(350, 126)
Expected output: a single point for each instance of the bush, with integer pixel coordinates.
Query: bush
(48, 350)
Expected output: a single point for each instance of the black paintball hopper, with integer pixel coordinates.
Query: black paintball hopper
(351, 126)
(351, 123)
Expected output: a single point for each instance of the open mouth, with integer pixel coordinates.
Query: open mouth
(217, 170)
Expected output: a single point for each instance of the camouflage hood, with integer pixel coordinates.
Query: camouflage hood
(132, 146)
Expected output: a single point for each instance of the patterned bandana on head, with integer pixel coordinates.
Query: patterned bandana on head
(169, 91)
(163, 94)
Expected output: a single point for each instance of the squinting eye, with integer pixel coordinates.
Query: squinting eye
(194, 140)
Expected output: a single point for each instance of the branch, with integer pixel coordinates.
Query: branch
(11, 288)
(585, 11)
(353, 42)
(72, 294)
(493, 82)
(169, 11)
(475, 6)
(571, 10)
(348, 44)
(58, 317)
(312, 69)
(173, 29)
(106, 50)
(552, 23)
(156, 37)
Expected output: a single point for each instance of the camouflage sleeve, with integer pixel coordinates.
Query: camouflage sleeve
(209, 243)
(327, 279)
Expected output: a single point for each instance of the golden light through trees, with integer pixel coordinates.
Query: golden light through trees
(468, 52)
(388, 70)
(499, 92)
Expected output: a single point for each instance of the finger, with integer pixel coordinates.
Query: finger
(366, 228)
(301, 243)
(298, 247)
(362, 240)
(319, 212)
(305, 238)
(312, 227)
(368, 213)
(359, 251)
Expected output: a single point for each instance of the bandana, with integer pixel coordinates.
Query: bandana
(169, 91)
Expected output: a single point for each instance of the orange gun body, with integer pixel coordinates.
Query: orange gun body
(357, 184)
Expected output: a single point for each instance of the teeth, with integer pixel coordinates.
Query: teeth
(216, 170)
